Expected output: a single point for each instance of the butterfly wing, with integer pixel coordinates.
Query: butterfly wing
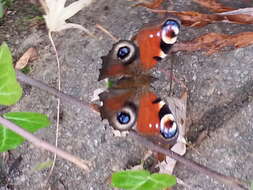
(155, 120)
(155, 42)
(141, 110)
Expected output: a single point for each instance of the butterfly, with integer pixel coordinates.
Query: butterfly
(130, 103)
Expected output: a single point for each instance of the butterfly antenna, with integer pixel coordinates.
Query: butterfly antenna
(107, 32)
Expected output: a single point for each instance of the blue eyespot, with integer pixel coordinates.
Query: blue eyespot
(171, 23)
(169, 130)
(169, 31)
(123, 52)
(123, 117)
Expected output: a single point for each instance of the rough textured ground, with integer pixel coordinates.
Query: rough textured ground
(220, 101)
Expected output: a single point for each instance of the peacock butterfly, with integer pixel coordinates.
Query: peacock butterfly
(130, 103)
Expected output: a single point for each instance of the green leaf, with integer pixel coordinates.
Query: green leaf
(251, 187)
(10, 90)
(1, 10)
(142, 180)
(27, 120)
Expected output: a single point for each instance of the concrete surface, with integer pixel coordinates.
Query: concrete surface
(220, 102)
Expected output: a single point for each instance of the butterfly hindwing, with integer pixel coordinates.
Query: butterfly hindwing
(155, 120)
(119, 108)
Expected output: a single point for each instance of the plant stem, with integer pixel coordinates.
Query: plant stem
(58, 103)
(38, 84)
(227, 180)
(44, 145)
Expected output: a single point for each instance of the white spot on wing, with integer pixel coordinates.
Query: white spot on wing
(162, 54)
(161, 104)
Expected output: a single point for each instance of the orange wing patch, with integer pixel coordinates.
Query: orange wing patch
(148, 41)
(148, 122)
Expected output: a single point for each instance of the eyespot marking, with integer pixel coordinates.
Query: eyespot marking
(168, 127)
(169, 32)
(125, 118)
(123, 52)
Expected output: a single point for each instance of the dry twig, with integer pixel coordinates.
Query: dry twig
(227, 180)
(44, 145)
(38, 84)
